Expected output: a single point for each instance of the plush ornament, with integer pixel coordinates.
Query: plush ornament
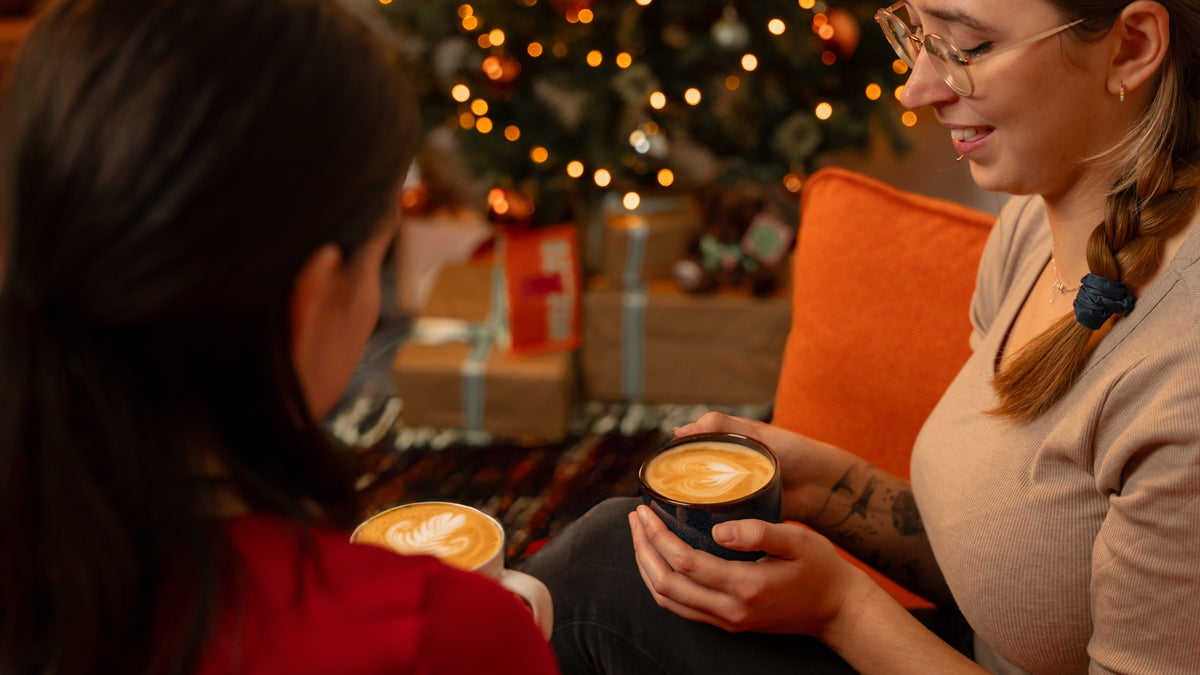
(743, 243)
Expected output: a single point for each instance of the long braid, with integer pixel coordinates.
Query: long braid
(1160, 190)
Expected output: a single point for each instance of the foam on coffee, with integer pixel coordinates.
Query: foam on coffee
(708, 472)
(455, 534)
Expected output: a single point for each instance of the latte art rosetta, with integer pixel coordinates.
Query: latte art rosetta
(456, 535)
(438, 536)
(708, 472)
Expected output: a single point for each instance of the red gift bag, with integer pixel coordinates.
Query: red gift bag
(541, 289)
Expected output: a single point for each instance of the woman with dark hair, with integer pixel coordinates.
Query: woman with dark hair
(195, 200)
(1058, 480)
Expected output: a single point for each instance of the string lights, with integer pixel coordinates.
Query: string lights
(834, 28)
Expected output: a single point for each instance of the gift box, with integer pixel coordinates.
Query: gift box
(453, 372)
(658, 344)
(425, 243)
(646, 243)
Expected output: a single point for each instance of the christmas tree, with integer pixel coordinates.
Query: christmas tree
(568, 100)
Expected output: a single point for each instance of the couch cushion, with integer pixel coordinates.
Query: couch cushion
(882, 283)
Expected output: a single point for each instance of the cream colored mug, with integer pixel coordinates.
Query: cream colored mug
(461, 537)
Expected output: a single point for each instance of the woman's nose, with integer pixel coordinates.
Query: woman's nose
(925, 87)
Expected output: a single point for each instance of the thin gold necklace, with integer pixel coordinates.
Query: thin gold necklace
(1059, 287)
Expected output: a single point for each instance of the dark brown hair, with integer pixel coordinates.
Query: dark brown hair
(1158, 162)
(166, 169)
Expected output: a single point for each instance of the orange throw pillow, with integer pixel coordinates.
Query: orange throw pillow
(881, 288)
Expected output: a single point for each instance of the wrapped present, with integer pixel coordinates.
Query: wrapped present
(659, 344)
(454, 372)
(646, 243)
(426, 242)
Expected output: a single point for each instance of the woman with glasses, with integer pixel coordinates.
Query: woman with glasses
(1058, 480)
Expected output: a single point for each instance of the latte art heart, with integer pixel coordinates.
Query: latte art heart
(708, 472)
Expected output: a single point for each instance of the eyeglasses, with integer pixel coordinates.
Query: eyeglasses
(948, 60)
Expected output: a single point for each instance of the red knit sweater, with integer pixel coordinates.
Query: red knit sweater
(351, 609)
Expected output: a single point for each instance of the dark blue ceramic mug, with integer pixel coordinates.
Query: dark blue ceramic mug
(694, 482)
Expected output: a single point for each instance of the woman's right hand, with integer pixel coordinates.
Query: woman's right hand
(808, 469)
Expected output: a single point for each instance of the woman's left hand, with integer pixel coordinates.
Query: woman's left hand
(799, 587)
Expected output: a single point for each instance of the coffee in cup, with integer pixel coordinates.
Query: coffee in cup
(461, 537)
(694, 482)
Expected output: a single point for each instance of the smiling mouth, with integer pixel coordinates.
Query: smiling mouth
(968, 133)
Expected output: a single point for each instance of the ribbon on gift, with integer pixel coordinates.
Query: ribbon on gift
(633, 314)
(480, 335)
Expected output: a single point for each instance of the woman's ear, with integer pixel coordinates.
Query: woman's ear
(314, 295)
(1143, 32)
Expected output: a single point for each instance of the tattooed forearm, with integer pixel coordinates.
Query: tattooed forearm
(905, 516)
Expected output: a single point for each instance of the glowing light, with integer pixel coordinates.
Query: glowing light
(692, 96)
(819, 20)
(559, 49)
(483, 125)
(898, 92)
(666, 177)
(484, 41)
(465, 10)
(792, 183)
(899, 67)
(539, 154)
(776, 26)
(602, 177)
(643, 3)
(732, 83)
(466, 120)
(909, 118)
(512, 132)
(874, 91)
(825, 32)
(658, 100)
(460, 93)
(479, 106)
(385, 2)
(631, 200)
(828, 58)
(808, 4)
(496, 36)
(534, 49)
(624, 60)
(575, 168)
(595, 58)
(824, 111)
(470, 23)
(585, 16)
(749, 62)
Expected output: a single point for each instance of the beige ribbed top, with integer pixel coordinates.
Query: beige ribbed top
(1072, 544)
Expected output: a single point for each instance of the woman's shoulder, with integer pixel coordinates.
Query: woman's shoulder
(310, 599)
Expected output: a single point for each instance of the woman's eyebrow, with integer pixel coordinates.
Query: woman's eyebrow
(959, 17)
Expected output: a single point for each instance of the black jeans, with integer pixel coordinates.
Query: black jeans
(606, 621)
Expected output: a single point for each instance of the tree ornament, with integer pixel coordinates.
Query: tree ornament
(501, 72)
(730, 32)
(649, 141)
(570, 6)
(846, 33)
(509, 208)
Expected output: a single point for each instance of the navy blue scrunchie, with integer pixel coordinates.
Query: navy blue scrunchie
(1099, 298)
